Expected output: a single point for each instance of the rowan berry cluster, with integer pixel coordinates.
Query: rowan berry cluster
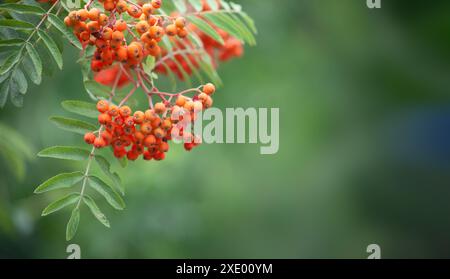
(147, 134)
(116, 39)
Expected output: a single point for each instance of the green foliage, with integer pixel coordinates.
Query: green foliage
(24, 47)
(112, 194)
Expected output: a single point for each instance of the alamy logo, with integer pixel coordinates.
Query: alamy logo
(74, 250)
(375, 252)
(374, 4)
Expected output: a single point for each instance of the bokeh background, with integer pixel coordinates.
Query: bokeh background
(364, 149)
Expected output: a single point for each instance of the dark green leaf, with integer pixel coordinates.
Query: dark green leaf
(22, 8)
(73, 125)
(37, 63)
(12, 42)
(14, 95)
(52, 48)
(72, 225)
(10, 62)
(96, 211)
(81, 108)
(16, 24)
(96, 89)
(61, 203)
(19, 79)
(111, 196)
(105, 166)
(65, 153)
(60, 181)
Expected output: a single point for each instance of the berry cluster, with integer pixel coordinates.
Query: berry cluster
(148, 133)
(118, 40)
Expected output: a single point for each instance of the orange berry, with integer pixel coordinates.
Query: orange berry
(89, 138)
(125, 111)
(209, 88)
(107, 33)
(142, 26)
(107, 136)
(166, 124)
(80, 27)
(156, 4)
(181, 100)
(73, 16)
(134, 50)
(189, 106)
(182, 33)
(163, 147)
(156, 32)
(94, 14)
(67, 21)
(160, 108)
(120, 25)
(99, 143)
(82, 15)
(121, 6)
(198, 106)
(138, 117)
(171, 30)
(103, 19)
(154, 51)
(159, 133)
(134, 11)
(129, 121)
(121, 54)
(113, 110)
(102, 106)
(147, 9)
(149, 115)
(209, 102)
(104, 118)
(156, 122)
(180, 22)
(117, 36)
(109, 5)
(85, 36)
(146, 128)
(149, 141)
(93, 26)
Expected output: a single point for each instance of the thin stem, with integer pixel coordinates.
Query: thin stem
(128, 96)
(86, 172)
(44, 17)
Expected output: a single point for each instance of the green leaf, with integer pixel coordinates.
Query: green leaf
(52, 48)
(61, 203)
(197, 4)
(81, 108)
(16, 24)
(12, 42)
(148, 64)
(60, 181)
(96, 89)
(37, 63)
(19, 79)
(22, 9)
(111, 196)
(95, 210)
(4, 90)
(105, 166)
(65, 153)
(123, 162)
(55, 21)
(206, 28)
(10, 62)
(14, 95)
(73, 125)
(72, 225)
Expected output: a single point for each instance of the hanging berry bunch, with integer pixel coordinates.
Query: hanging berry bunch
(123, 44)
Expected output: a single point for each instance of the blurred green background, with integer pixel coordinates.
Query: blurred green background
(364, 149)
